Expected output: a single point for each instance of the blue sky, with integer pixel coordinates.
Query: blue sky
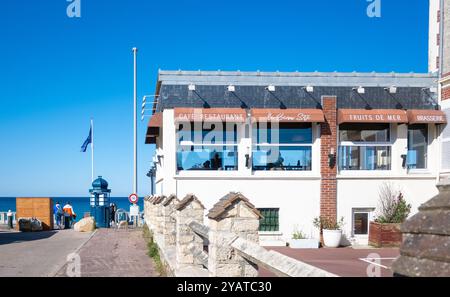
(57, 72)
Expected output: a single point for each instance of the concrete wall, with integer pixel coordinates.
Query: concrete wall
(298, 200)
(446, 36)
(433, 46)
(362, 193)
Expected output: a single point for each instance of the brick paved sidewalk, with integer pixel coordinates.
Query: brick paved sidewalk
(112, 252)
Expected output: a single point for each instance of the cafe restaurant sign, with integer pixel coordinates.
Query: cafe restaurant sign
(237, 115)
(372, 116)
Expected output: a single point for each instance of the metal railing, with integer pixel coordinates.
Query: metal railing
(4, 218)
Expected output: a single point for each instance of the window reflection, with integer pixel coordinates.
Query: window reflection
(207, 158)
(282, 158)
(364, 158)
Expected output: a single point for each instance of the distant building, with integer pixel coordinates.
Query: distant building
(434, 38)
(444, 80)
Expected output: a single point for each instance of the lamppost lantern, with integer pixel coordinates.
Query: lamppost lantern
(100, 198)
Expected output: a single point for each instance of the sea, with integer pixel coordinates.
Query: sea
(80, 205)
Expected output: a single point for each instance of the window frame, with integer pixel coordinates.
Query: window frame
(256, 144)
(427, 141)
(389, 144)
(192, 143)
(277, 225)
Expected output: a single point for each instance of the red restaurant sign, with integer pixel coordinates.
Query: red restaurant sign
(417, 116)
(237, 115)
(372, 116)
(288, 115)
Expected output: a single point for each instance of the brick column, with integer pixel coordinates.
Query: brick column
(328, 132)
(445, 91)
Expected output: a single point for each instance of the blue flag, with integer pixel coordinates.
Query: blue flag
(87, 141)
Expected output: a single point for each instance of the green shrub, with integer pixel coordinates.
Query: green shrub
(327, 223)
(393, 208)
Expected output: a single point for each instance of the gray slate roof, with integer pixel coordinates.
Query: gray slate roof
(413, 90)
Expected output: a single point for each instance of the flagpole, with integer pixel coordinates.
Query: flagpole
(92, 149)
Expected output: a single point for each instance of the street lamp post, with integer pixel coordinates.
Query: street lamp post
(151, 174)
(135, 187)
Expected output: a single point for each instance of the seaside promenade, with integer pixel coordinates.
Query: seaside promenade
(103, 253)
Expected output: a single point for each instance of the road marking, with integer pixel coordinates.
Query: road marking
(368, 260)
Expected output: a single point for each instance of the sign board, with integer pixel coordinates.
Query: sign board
(134, 210)
(133, 198)
(210, 115)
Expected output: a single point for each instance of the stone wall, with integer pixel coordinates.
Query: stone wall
(232, 239)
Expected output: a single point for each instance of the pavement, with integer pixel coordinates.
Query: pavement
(37, 254)
(347, 262)
(114, 253)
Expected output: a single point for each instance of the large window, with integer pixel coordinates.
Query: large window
(417, 146)
(270, 220)
(282, 146)
(364, 147)
(207, 146)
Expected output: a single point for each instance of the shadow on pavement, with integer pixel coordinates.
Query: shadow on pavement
(16, 237)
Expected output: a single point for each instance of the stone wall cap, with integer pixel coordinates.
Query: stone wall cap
(158, 199)
(169, 199)
(226, 201)
(186, 200)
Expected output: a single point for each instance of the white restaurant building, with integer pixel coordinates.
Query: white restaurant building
(340, 136)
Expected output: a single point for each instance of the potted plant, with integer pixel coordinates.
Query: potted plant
(393, 210)
(301, 241)
(332, 230)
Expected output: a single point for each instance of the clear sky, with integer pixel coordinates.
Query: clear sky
(58, 72)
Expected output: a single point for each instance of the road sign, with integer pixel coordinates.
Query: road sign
(133, 198)
(134, 210)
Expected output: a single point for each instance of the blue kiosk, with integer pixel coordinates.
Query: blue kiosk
(100, 202)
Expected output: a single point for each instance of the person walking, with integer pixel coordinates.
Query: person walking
(59, 215)
(112, 212)
(69, 215)
(10, 219)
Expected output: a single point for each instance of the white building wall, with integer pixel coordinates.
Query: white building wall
(362, 193)
(297, 194)
(433, 46)
(298, 200)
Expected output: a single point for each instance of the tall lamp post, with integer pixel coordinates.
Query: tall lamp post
(135, 187)
(151, 174)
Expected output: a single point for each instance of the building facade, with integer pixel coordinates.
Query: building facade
(298, 145)
(444, 82)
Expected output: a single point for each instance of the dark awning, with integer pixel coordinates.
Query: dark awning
(153, 128)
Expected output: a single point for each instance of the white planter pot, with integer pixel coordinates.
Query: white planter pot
(304, 243)
(332, 238)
